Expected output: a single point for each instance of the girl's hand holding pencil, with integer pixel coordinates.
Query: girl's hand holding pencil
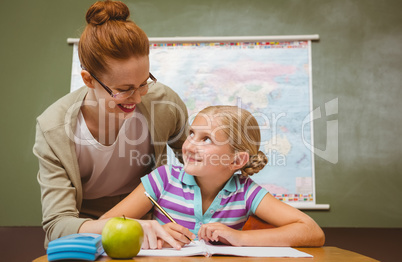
(178, 232)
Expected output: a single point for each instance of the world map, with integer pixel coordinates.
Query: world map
(270, 79)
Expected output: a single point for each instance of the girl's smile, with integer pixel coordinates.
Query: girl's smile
(193, 159)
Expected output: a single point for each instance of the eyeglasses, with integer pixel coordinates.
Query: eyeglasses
(142, 89)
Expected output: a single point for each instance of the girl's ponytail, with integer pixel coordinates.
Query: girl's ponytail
(255, 164)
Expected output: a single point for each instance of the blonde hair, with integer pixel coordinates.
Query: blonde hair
(110, 34)
(243, 132)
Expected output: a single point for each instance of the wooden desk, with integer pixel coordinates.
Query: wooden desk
(330, 254)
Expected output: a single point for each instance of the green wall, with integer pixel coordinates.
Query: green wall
(358, 60)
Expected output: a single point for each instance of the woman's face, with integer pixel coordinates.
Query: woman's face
(121, 76)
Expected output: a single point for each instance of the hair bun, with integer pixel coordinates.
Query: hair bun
(101, 12)
(255, 164)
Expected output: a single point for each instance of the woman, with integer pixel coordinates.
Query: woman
(95, 144)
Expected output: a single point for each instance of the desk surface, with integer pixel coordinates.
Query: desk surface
(320, 254)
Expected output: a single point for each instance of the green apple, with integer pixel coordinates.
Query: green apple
(122, 238)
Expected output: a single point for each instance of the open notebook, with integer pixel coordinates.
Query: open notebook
(200, 248)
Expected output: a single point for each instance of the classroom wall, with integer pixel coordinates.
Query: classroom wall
(357, 60)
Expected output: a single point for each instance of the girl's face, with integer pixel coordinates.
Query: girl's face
(207, 151)
(122, 75)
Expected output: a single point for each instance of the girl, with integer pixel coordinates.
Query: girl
(212, 195)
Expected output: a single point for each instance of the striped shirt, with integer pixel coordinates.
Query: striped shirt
(178, 193)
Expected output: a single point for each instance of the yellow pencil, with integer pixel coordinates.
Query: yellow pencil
(163, 211)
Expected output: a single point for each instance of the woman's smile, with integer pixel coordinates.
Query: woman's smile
(127, 108)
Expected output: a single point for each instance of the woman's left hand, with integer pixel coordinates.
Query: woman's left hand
(220, 232)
